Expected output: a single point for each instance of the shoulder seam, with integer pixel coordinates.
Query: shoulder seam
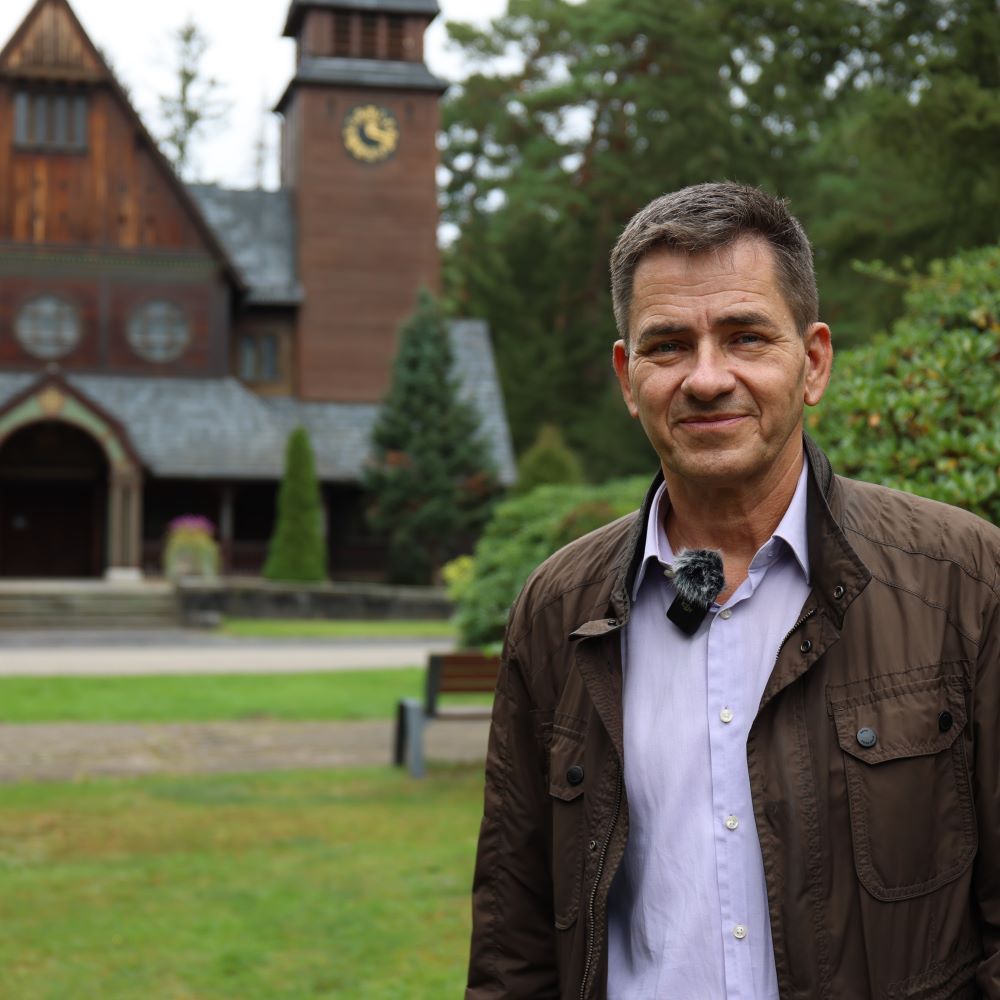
(991, 586)
(931, 604)
(555, 598)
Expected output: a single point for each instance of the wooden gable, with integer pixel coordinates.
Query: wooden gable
(114, 190)
(52, 44)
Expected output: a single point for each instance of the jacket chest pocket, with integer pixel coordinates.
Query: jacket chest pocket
(567, 781)
(912, 816)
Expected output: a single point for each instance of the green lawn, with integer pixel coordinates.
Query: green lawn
(341, 695)
(288, 628)
(287, 886)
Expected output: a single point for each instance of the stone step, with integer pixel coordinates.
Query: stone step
(38, 606)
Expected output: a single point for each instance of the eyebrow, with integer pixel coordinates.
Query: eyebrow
(748, 318)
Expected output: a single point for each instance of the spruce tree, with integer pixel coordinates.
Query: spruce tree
(430, 479)
(297, 552)
(548, 461)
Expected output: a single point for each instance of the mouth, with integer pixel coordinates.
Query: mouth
(713, 422)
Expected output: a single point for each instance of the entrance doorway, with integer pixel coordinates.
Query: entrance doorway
(53, 503)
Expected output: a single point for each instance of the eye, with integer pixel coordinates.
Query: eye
(666, 347)
(748, 339)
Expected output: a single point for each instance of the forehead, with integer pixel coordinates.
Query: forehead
(673, 284)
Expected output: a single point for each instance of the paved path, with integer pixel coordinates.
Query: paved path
(69, 751)
(58, 654)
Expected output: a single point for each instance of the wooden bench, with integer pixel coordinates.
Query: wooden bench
(447, 673)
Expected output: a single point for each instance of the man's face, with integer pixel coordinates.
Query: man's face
(717, 372)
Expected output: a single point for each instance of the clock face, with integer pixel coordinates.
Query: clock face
(371, 133)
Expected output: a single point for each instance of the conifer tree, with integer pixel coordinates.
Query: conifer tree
(297, 551)
(548, 461)
(430, 478)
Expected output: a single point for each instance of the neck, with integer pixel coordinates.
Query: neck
(736, 519)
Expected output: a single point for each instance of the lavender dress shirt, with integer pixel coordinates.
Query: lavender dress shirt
(688, 917)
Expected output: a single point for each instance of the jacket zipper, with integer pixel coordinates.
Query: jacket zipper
(781, 645)
(597, 881)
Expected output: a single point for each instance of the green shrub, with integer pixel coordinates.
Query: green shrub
(297, 552)
(524, 531)
(548, 461)
(919, 409)
(190, 549)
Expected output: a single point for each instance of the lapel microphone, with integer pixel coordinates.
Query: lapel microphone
(698, 576)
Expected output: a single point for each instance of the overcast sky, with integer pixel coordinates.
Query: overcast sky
(247, 55)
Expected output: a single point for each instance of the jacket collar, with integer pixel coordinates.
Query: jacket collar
(833, 562)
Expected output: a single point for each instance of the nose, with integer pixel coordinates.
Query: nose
(709, 376)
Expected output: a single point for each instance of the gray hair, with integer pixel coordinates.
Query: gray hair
(708, 217)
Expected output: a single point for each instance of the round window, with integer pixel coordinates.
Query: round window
(48, 327)
(158, 331)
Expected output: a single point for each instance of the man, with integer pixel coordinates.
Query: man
(791, 791)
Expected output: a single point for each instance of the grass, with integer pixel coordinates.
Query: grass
(287, 628)
(293, 886)
(342, 695)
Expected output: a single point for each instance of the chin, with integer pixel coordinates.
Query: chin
(718, 467)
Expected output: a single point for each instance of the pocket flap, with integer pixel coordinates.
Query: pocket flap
(907, 720)
(567, 777)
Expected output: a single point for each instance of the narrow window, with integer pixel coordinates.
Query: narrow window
(60, 121)
(80, 116)
(342, 35)
(40, 132)
(248, 358)
(396, 44)
(369, 36)
(268, 353)
(22, 119)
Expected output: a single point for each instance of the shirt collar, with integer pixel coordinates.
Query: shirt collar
(791, 530)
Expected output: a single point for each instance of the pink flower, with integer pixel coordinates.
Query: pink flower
(193, 524)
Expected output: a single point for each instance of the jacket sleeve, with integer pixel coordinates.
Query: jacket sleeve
(513, 953)
(986, 709)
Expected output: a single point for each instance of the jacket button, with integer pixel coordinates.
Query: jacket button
(867, 737)
(838, 592)
(592, 845)
(945, 721)
(612, 622)
(806, 646)
(575, 775)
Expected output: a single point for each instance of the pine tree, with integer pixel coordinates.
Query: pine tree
(430, 479)
(297, 551)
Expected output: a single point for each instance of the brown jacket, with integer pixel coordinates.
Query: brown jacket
(882, 863)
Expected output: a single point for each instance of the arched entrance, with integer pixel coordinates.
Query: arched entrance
(70, 487)
(53, 502)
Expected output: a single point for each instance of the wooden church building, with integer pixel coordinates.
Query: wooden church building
(159, 341)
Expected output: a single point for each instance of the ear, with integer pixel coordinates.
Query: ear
(819, 362)
(620, 358)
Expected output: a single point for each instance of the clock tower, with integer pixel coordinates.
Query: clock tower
(359, 155)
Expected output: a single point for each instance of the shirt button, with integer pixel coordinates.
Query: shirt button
(726, 715)
(726, 615)
(739, 932)
(732, 822)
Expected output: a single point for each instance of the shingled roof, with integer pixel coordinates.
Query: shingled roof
(257, 228)
(219, 429)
